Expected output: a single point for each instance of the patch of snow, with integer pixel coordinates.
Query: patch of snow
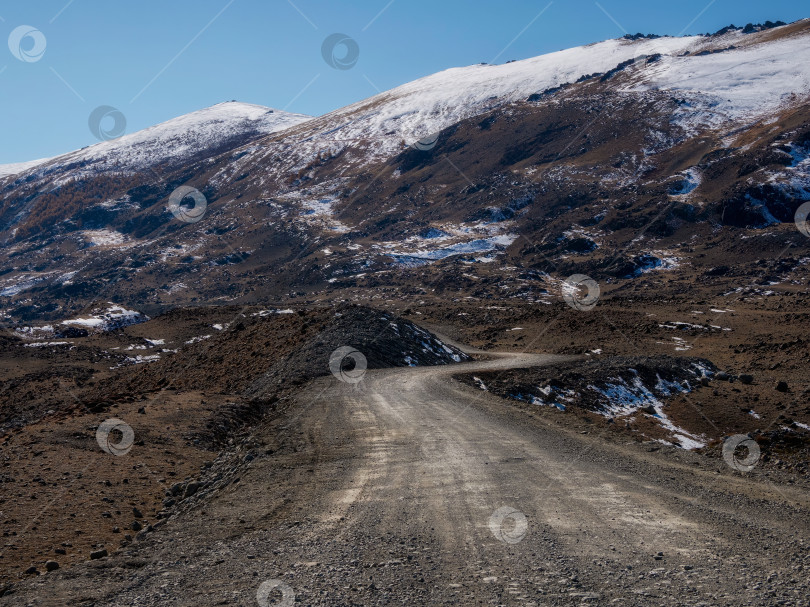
(668, 388)
(194, 340)
(703, 369)
(20, 167)
(34, 332)
(677, 324)
(749, 82)
(103, 237)
(481, 245)
(19, 284)
(685, 439)
(65, 278)
(623, 399)
(537, 401)
(139, 360)
(662, 260)
(177, 287)
(263, 313)
(113, 317)
(480, 383)
(691, 180)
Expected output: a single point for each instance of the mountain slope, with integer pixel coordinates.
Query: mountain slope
(623, 159)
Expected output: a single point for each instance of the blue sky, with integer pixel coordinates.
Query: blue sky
(157, 60)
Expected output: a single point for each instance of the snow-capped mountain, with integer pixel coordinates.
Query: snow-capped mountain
(616, 159)
(20, 167)
(428, 105)
(755, 80)
(174, 141)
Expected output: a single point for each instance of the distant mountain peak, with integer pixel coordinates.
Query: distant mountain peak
(229, 122)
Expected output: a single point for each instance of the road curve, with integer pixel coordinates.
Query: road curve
(411, 488)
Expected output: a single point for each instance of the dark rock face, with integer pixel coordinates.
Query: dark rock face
(71, 332)
(383, 339)
(758, 206)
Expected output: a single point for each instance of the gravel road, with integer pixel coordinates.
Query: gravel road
(410, 488)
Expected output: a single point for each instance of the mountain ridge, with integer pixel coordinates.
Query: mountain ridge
(656, 42)
(231, 115)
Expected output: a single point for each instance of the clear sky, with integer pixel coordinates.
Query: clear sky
(154, 60)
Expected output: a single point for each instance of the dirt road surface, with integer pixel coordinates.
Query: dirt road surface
(412, 489)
